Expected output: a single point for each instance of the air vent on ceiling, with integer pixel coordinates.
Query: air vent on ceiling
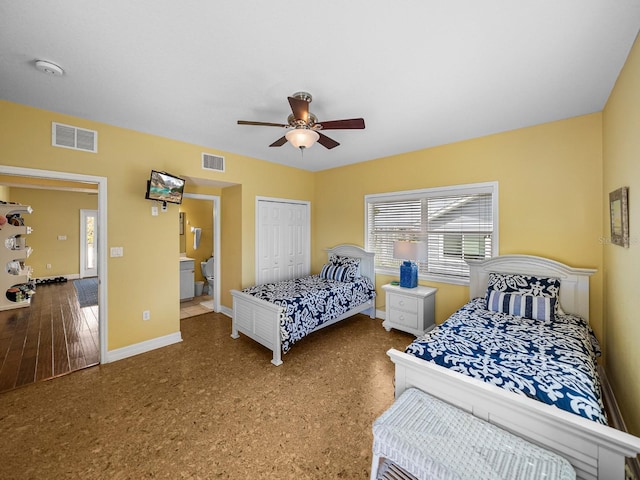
(212, 162)
(67, 136)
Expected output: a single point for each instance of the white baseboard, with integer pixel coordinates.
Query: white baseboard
(142, 347)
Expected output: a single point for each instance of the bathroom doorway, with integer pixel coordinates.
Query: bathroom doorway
(213, 247)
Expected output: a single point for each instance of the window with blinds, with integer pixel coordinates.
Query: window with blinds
(457, 223)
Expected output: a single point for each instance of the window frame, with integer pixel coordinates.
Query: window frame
(452, 190)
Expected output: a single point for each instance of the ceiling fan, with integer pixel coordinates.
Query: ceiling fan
(304, 126)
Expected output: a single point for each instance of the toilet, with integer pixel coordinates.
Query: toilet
(207, 269)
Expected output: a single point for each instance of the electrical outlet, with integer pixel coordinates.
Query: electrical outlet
(146, 315)
(48, 266)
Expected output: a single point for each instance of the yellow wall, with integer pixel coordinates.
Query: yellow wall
(233, 242)
(5, 193)
(146, 277)
(55, 213)
(557, 164)
(621, 139)
(550, 190)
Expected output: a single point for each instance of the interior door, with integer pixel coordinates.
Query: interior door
(296, 254)
(268, 241)
(88, 243)
(282, 240)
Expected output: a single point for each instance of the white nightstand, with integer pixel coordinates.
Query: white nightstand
(411, 310)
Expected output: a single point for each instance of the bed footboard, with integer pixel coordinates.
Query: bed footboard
(258, 320)
(594, 450)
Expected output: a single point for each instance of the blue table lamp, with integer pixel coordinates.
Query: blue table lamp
(409, 252)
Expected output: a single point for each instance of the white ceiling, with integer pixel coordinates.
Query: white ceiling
(420, 72)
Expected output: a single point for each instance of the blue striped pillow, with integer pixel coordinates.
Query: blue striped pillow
(334, 272)
(528, 306)
(350, 263)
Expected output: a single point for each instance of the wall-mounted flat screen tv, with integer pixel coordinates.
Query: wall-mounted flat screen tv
(164, 187)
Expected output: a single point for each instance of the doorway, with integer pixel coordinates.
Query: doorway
(100, 220)
(215, 248)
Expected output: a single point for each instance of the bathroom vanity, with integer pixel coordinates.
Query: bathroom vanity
(187, 278)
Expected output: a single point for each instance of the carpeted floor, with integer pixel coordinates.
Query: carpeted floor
(87, 289)
(209, 407)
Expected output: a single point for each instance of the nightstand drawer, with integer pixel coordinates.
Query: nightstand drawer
(400, 302)
(404, 318)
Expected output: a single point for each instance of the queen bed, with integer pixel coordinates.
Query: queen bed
(521, 355)
(277, 315)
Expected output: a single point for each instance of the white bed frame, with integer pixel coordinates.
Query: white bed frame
(596, 451)
(260, 320)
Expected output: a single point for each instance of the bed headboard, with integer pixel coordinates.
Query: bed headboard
(367, 268)
(574, 282)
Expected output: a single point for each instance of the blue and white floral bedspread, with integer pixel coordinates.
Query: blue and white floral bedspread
(311, 301)
(551, 361)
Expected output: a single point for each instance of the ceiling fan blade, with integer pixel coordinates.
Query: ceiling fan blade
(278, 143)
(300, 109)
(351, 123)
(263, 124)
(327, 142)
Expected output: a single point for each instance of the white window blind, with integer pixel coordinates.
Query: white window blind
(456, 223)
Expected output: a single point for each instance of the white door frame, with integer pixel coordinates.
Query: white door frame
(102, 240)
(216, 243)
(84, 271)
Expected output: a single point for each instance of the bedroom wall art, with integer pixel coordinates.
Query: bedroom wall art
(619, 212)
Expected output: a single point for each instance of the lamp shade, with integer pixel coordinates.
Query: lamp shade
(302, 137)
(413, 251)
(409, 252)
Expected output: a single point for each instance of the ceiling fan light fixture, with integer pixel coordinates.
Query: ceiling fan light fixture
(302, 137)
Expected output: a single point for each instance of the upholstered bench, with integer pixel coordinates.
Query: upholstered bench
(430, 439)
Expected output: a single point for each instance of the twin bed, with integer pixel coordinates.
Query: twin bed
(279, 314)
(520, 354)
(535, 377)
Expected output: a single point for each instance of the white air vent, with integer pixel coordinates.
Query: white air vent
(75, 138)
(212, 162)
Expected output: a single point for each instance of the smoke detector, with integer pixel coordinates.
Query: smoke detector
(49, 68)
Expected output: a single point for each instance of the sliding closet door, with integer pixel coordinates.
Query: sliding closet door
(282, 240)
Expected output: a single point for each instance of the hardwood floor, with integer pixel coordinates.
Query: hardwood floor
(54, 336)
(51, 337)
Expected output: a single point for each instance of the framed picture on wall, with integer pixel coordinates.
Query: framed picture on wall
(619, 211)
